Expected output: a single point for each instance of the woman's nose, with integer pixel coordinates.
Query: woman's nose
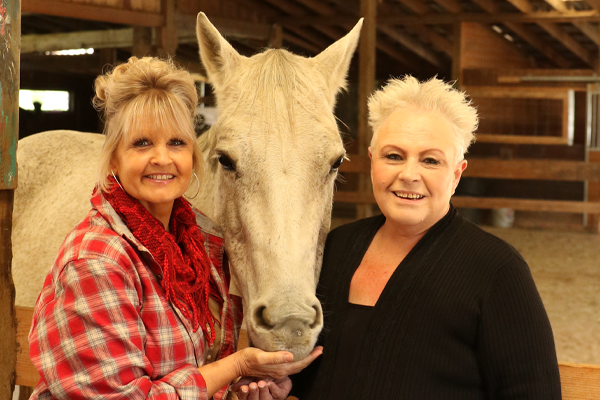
(410, 171)
(160, 155)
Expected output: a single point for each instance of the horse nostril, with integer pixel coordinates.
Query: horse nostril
(318, 316)
(259, 318)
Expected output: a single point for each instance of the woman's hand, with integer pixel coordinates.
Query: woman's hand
(276, 365)
(249, 389)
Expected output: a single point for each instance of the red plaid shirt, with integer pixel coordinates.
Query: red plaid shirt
(102, 327)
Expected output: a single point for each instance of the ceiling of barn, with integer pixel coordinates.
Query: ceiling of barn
(413, 36)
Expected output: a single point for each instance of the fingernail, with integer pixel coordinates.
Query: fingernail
(244, 389)
(261, 385)
(288, 357)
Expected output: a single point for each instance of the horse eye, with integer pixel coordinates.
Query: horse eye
(226, 162)
(337, 163)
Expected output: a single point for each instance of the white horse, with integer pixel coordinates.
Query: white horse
(271, 162)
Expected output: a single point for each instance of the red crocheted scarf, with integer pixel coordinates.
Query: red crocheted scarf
(185, 264)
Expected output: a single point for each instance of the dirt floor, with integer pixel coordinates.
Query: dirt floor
(566, 269)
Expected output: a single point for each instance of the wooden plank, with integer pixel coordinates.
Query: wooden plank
(579, 381)
(166, 35)
(27, 375)
(517, 139)
(522, 92)
(413, 46)
(275, 37)
(94, 13)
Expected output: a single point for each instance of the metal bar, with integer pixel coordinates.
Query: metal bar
(570, 117)
(10, 34)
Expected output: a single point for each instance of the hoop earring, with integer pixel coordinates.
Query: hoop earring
(198, 190)
(118, 183)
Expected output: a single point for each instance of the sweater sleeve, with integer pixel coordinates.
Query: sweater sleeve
(516, 347)
(88, 339)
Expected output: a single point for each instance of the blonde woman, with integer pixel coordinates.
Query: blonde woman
(418, 302)
(135, 306)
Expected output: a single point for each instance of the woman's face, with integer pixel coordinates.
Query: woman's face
(154, 166)
(414, 168)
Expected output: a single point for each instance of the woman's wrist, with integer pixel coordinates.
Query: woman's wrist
(221, 373)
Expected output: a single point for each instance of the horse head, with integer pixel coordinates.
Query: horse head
(272, 160)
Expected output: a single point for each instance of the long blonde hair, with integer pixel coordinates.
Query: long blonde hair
(141, 92)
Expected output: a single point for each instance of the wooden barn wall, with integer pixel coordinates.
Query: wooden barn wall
(483, 48)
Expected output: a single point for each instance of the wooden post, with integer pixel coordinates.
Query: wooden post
(166, 38)
(367, 52)
(275, 36)
(142, 41)
(10, 35)
(456, 59)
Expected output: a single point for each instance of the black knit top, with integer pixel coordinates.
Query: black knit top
(460, 318)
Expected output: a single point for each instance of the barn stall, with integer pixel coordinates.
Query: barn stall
(530, 66)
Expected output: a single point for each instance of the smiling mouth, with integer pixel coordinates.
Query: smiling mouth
(164, 177)
(408, 196)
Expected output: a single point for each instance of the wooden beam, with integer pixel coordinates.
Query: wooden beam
(94, 13)
(367, 54)
(446, 19)
(534, 40)
(558, 32)
(589, 30)
(452, 6)
(457, 70)
(417, 6)
(114, 38)
(571, 44)
(413, 46)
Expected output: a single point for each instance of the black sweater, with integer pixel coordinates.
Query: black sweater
(460, 318)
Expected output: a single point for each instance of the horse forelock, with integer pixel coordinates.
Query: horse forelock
(272, 88)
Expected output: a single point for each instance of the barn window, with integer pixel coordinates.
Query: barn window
(48, 100)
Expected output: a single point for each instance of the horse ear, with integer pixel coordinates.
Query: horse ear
(333, 62)
(217, 55)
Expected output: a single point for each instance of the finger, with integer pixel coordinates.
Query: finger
(280, 389)
(297, 366)
(263, 391)
(253, 392)
(244, 381)
(242, 393)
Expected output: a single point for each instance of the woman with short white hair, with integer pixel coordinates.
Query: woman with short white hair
(418, 302)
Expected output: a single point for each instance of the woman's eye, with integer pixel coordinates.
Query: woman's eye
(226, 162)
(393, 156)
(337, 163)
(141, 143)
(431, 161)
(177, 142)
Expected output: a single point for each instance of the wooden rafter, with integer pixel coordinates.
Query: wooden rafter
(452, 6)
(586, 28)
(395, 34)
(528, 36)
(558, 33)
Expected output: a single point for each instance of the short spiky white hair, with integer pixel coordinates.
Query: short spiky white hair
(432, 95)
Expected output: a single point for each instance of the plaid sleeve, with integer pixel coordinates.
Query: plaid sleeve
(87, 339)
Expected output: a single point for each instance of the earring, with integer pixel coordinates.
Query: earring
(198, 190)
(118, 183)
